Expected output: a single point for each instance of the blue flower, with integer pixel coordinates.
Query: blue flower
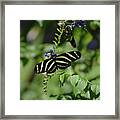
(92, 45)
(80, 23)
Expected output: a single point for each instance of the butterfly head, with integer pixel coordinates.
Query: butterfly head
(50, 54)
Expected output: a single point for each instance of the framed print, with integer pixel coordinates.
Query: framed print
(60, 59)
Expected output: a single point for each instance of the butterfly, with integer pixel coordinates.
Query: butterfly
(55, 62)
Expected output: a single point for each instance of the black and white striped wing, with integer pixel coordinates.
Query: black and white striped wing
(48, 66)
(64, 60)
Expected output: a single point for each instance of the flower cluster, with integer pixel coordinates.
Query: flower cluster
(65, 31)
(76, 23)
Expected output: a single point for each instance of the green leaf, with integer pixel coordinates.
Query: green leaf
(93, 73)
(77, 33)
(74, 79)
(66, 88)
(95, 87)
(62, 78)
(53, 85)
(53, 97)
(87, 38)
(68, 97)
(86, 95)
(94, 24)
(63, 98)
(80, 86)
(66, 76)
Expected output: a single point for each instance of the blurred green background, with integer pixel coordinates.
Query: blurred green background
(80, 81)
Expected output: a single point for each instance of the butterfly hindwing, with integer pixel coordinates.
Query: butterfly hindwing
(51, 66)
(47, 66)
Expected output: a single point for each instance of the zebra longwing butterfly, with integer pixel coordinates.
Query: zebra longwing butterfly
(55, 62)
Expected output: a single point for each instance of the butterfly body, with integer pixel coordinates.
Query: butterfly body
(55, 62)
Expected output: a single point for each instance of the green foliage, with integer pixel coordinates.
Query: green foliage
(80, 81)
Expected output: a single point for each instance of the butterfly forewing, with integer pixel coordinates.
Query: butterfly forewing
(69, 56)
(64, 60)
